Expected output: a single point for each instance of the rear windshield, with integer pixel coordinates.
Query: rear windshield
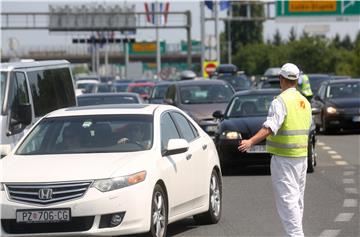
(89, 134)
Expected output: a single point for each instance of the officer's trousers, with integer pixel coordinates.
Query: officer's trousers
(288, 177)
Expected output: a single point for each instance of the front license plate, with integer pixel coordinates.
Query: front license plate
(43, 216)
(356, 119)
(257, 149)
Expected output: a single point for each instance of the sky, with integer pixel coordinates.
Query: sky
(40, 38)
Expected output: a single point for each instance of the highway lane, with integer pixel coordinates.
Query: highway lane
(331, 198)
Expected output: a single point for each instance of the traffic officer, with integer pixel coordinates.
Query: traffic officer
(286, 131)
(304, 86)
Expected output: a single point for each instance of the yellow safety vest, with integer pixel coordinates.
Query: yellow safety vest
(291, 139)
(305, 86)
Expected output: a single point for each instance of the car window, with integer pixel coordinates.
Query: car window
(343, 90)
(238, 82)
(159, 92)
(89, 134)
(2, 87)
(205, 94)
(322, 90)
(184, 127)
(168, 130)
(250, 105)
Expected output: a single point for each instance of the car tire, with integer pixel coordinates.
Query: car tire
(213, 214)
(323, 128)
(311, 157)
(159, 213)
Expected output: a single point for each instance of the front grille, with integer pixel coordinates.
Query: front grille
(75, 224)
(47, 193)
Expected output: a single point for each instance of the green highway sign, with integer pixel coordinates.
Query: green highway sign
(296, 8)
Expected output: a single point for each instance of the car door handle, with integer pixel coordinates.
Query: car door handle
(204, 147)
(188, 156)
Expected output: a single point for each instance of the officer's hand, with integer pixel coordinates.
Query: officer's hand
(244, 145)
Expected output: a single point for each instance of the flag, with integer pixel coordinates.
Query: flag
(224, 4)
(209, 4)
(163, 8)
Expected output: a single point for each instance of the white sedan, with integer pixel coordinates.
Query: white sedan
(110, 170)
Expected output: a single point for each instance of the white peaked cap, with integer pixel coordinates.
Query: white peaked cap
(290, 71)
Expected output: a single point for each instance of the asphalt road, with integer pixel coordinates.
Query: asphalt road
(331, 198)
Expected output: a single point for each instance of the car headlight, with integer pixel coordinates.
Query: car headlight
(106, 185)
(331, 110)
(231, 135)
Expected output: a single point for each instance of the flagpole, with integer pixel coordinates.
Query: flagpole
(158, 56)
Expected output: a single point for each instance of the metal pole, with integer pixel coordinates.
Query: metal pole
(202, 25)
(106, 57)
(229, 34)
(217, 35)
(158, 55)
(126, 48)
(188, 33)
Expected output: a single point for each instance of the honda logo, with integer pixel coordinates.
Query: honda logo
(45, 193)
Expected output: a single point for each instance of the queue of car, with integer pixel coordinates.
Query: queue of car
(138, 149)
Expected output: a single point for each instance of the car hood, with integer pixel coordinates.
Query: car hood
(203, 111)
(345, 102)
(247, 126)
(67, 167)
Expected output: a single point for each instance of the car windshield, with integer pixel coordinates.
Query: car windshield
(250, 105)
(205, 94)
(159, 91)
(104, 88)
(141, 89)
(343, 90)
(315, 82)
(100, 100)
(2, 87)
(121, 87)
(239, 82)
(89, 134)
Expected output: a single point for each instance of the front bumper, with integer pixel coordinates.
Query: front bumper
(86, 213)
(344, 121)
(230, 155)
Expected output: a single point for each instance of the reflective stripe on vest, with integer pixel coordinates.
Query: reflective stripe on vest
(305, 86)
(291, 139)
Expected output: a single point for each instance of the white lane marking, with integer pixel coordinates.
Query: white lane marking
(320, 144)
(341, 162)
(351, 190)
(348, 181)
(332, 152)
(326, 148)
(350, 203)
(329, 233)
(350, 167)
(343, 217)
(336, 157)
(349, 173)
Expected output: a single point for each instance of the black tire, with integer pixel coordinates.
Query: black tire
(311, 157)
(159, 213)
(213, 215)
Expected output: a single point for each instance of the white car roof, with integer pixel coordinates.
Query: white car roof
(89, 81)
(110, 109)
(32, 64)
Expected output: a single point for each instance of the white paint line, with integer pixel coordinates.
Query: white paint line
(336, 157)
(343, 217)
(332, 152)
(326, 148)
(341, 162)
(348, 181)
(320, 144)
(351, 191)
(350, 203)
(349, 173)
(329, 233)
(350, 167)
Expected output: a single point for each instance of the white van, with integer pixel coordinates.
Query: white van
(29, 90)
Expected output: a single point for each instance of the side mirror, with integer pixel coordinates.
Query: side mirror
(317, 97)
(169, 101)
(218, 114)
(175, 146)
(25, 113)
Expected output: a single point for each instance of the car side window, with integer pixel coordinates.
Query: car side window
(322, 91)
(168, 130)
(184, 126)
